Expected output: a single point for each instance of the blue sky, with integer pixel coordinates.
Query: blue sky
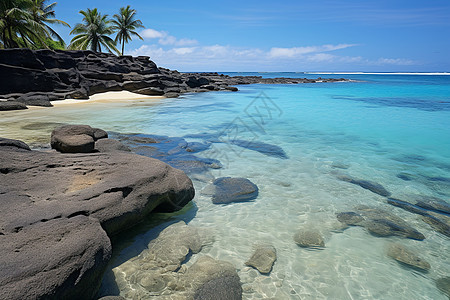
(345, 35)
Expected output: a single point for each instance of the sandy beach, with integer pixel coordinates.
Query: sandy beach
(121, 96)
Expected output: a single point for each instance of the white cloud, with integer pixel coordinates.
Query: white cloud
(229, 58)
(152, 33)
(298, 51)
(166, 39)
(395, 61)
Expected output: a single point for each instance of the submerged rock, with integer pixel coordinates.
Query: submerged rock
(264, 148)
(72, 204)
(228, 189)
(433, 203)
(438, 222)
(309, 239)
(263, 259)
(404, 255)
(160, 271)
(368, 185)
(443, 284)
(349, 218)
(379, 222)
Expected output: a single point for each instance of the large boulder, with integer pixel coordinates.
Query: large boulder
(58, 211)
(76, 138)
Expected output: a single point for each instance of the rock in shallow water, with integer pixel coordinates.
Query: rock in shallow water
(69, 204)
(160, 272)
(368, 185)
(443, 284)
(263, 258)
(228, 189)
(404, 255)
(379, 222)
(76, 138)
(309, 239)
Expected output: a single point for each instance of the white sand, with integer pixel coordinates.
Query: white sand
(121, 96)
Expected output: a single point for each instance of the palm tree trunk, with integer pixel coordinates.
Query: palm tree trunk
(123, 44)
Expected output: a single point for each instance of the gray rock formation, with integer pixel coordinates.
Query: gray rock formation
(228, 190)
(76, 138)
(59, 210)
(11, 105)
(36, 77)
(309, 238)
(263, 258)
(405, 256)
(110, 145)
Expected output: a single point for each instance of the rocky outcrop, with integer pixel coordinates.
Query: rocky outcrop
(76, 138)
(58, 212)
(36, 77)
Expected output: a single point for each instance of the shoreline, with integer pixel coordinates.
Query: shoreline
(105, 97)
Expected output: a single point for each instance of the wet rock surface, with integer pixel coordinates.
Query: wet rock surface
(72, 204)
(36, 77)
(175, 151)
(379, 222)
(309, 238)
(407, 257)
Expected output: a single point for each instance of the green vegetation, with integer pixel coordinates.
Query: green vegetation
(125, 25)
(24, 23)
(93, 32)
(27, 24)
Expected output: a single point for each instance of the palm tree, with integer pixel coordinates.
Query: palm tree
(14, 17)
(42, 14)
(93, 33)
(22, 23)
(125, 25)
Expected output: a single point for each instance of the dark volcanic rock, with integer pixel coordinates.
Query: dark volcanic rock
(368, 185)
(58, 210)
(79, 74)
(76, 138)
(229, 190)
(13, 143)
(11, 105)
(110, 145)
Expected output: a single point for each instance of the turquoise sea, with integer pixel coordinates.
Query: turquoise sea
(392, 129)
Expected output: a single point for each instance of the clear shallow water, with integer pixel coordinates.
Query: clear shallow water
(373, 129)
